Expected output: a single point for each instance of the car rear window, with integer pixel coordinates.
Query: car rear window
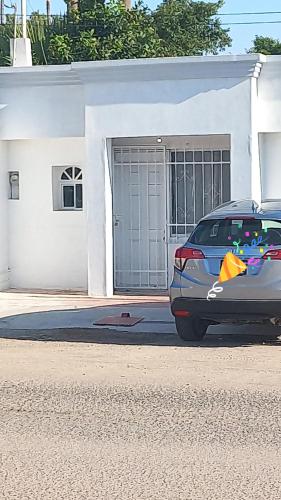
(223, 232)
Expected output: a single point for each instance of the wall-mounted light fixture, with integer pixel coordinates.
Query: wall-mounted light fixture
(159, 139)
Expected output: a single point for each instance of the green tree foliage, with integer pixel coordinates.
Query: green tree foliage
(266, 45)
(190, 28)
(6, 32)
(106, 30)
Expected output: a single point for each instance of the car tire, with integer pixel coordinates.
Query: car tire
(191, 329)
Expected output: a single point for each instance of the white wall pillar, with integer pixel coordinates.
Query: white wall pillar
(245, 157)
(240, 166)
(4, 242)
(20, 52)
(99, 212)
(256, 184)
(270, 146)
(245, 167)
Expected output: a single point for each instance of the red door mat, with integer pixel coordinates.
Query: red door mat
(124, 320)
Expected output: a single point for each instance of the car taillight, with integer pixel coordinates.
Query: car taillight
(183, 254)
(273, 255)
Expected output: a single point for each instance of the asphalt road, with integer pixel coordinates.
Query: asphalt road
(144, 418)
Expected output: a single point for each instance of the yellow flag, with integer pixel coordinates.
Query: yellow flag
(231, 267)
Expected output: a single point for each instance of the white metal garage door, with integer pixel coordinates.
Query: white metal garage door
(139, 208)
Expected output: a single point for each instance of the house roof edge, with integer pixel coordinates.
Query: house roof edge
(168, 68)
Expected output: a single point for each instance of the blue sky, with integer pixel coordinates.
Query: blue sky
(242, 36)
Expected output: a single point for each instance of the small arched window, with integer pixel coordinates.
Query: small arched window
(71, 188)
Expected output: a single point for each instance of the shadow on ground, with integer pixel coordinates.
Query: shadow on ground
(75, 323)
(106, 336)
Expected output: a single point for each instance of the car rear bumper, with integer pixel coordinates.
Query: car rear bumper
(227, 309)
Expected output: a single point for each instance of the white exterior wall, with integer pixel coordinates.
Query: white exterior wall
(4, 242)
(157, 108)
(99, 212)
(269, 96)
(269, 126)
(31, 112)
(48, 249)
(101, 101)
(270, 161)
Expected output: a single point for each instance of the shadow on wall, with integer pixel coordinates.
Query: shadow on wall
(150, 93)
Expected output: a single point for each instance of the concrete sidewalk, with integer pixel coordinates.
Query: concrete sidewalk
(43, 310)
(28, 310)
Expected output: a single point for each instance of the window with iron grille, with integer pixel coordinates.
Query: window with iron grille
(199, 181)
(71, 189)
(67, 187)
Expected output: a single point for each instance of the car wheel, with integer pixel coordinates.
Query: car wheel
(191, 328)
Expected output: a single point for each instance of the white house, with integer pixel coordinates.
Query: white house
(107, 166)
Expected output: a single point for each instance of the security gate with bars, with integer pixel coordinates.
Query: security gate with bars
(199, 182)
(139, 207)
(194, 181)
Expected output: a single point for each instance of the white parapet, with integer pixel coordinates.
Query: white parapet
(20, 52)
